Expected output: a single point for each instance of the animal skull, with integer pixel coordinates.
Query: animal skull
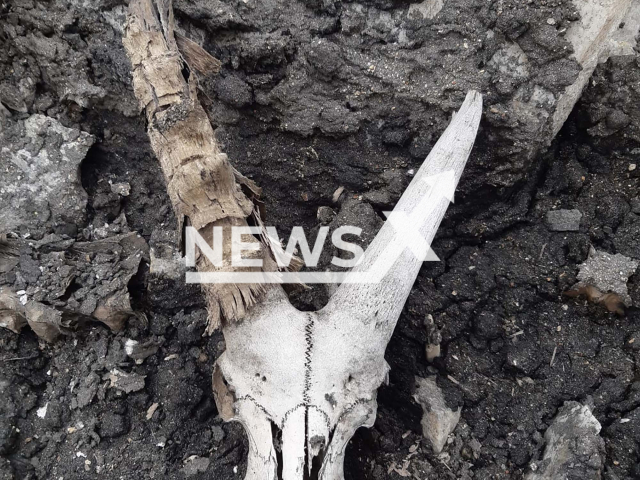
(313, 376)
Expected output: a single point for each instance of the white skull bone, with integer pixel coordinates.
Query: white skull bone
(313, 376)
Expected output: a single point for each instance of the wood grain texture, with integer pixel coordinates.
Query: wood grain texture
(200, 180)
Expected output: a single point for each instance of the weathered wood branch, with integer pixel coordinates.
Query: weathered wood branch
(200, 180)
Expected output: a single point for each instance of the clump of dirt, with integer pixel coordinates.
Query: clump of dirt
(314, 96)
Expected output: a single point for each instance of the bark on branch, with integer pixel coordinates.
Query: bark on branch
(200, 180)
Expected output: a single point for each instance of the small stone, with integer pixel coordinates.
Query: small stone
(126, 382)
(617, 120)
(475, 445)
(195, 465)
(123, 189)
(608, 273)
(631, 341)
(438, 421)
(217, 434)
(564, 220)
(140, 351)
(632, 167)
(42, 411)
(337, 194)
(574, 447)
(87, 390)
(152, 409)
(325, 215)
(551, 21)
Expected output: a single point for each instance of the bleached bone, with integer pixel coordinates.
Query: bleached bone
(309, 376)
(314, 375)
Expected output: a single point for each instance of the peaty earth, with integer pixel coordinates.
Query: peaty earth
(314, 98)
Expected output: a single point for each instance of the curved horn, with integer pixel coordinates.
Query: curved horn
(376, 289)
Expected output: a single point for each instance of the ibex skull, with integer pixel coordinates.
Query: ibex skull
(314, 375)
(309, 376)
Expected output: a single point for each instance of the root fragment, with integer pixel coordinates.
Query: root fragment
(611, 301)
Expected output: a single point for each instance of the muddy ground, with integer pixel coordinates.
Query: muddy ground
(315, 95)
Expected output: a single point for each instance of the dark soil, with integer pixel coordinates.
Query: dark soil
(314, 95)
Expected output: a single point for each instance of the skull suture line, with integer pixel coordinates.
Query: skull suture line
(314, 375)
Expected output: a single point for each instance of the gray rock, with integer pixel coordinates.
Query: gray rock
(141, 350)
(438, 421)
(325, 215)
(11, 96)
(428, 9)
(377, 197)
(217, 434)
(40, 185)
(617, 120)
(564, 220)
(574, 447)
(87, 390)
(123, 188)
(511, 61)
(195, 465)
(608, 273)
(126, 382)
